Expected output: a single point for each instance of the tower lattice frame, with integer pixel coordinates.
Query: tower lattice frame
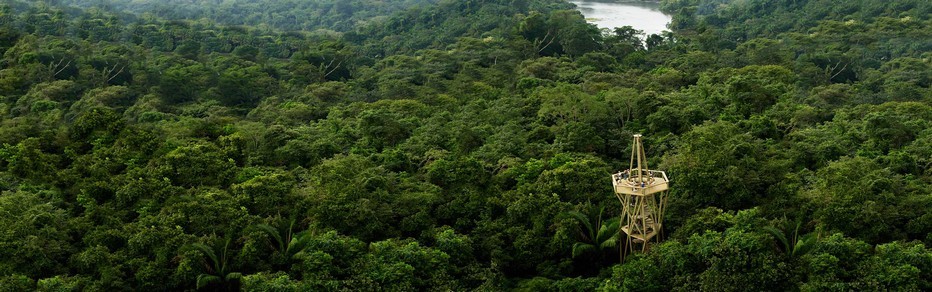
(643, 196)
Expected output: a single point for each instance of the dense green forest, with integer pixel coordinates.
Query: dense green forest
(289, 15)
(318, 145)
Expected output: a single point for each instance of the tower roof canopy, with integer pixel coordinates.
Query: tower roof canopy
(638, 179)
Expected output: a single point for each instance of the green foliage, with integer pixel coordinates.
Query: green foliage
(17, 282)
(197, 165)
(35, 240)
(794, 243)
(598, 237)
(735, 259)
(286, 242)
(217, 274)
(322, 145)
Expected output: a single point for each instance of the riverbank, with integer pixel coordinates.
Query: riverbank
(641, 15)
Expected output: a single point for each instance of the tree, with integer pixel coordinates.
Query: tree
(718, 164)
(286, 242)
(183, 83)
(395, 264)
(243, 86)
(599, 237)
(197, 164)
(898, 266)
(755, 88)
(28, 160)
(35, 238)
(262, 193)
(217, 275)
(623, 41)
(875, 213)
(793, 243)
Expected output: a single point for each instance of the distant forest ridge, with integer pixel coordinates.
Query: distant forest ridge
(307, 15)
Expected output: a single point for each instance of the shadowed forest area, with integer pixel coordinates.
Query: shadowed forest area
(321, 145)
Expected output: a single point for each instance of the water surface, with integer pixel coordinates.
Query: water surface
(645, 16)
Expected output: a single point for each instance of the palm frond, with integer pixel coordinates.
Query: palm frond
(209, 252)
(780, 236)
(805, 244)
(608, 230)
(300, 241)
(289, 232)
(234, 276)
(799, 223)
(580, 248)
(609, 243)
(223, 256)
(599, 222)
(205, 279)
(274, 234)
(584, 220)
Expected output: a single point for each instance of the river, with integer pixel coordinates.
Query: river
(645, 16)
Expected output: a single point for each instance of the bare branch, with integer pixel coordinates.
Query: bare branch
(334, 68)
(117, 73)
(541, 41)
(839, 71)
(58, 68)
(56, 65)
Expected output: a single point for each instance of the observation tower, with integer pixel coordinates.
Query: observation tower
(643, 195)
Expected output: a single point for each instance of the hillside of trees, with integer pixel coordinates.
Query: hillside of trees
(287, 15)
(320, 145)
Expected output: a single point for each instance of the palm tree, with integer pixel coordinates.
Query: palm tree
(595, 238)
(217, 276)
(792, 242)
(285, 241)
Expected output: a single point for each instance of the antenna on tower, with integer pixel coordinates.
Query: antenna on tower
(643, 196)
